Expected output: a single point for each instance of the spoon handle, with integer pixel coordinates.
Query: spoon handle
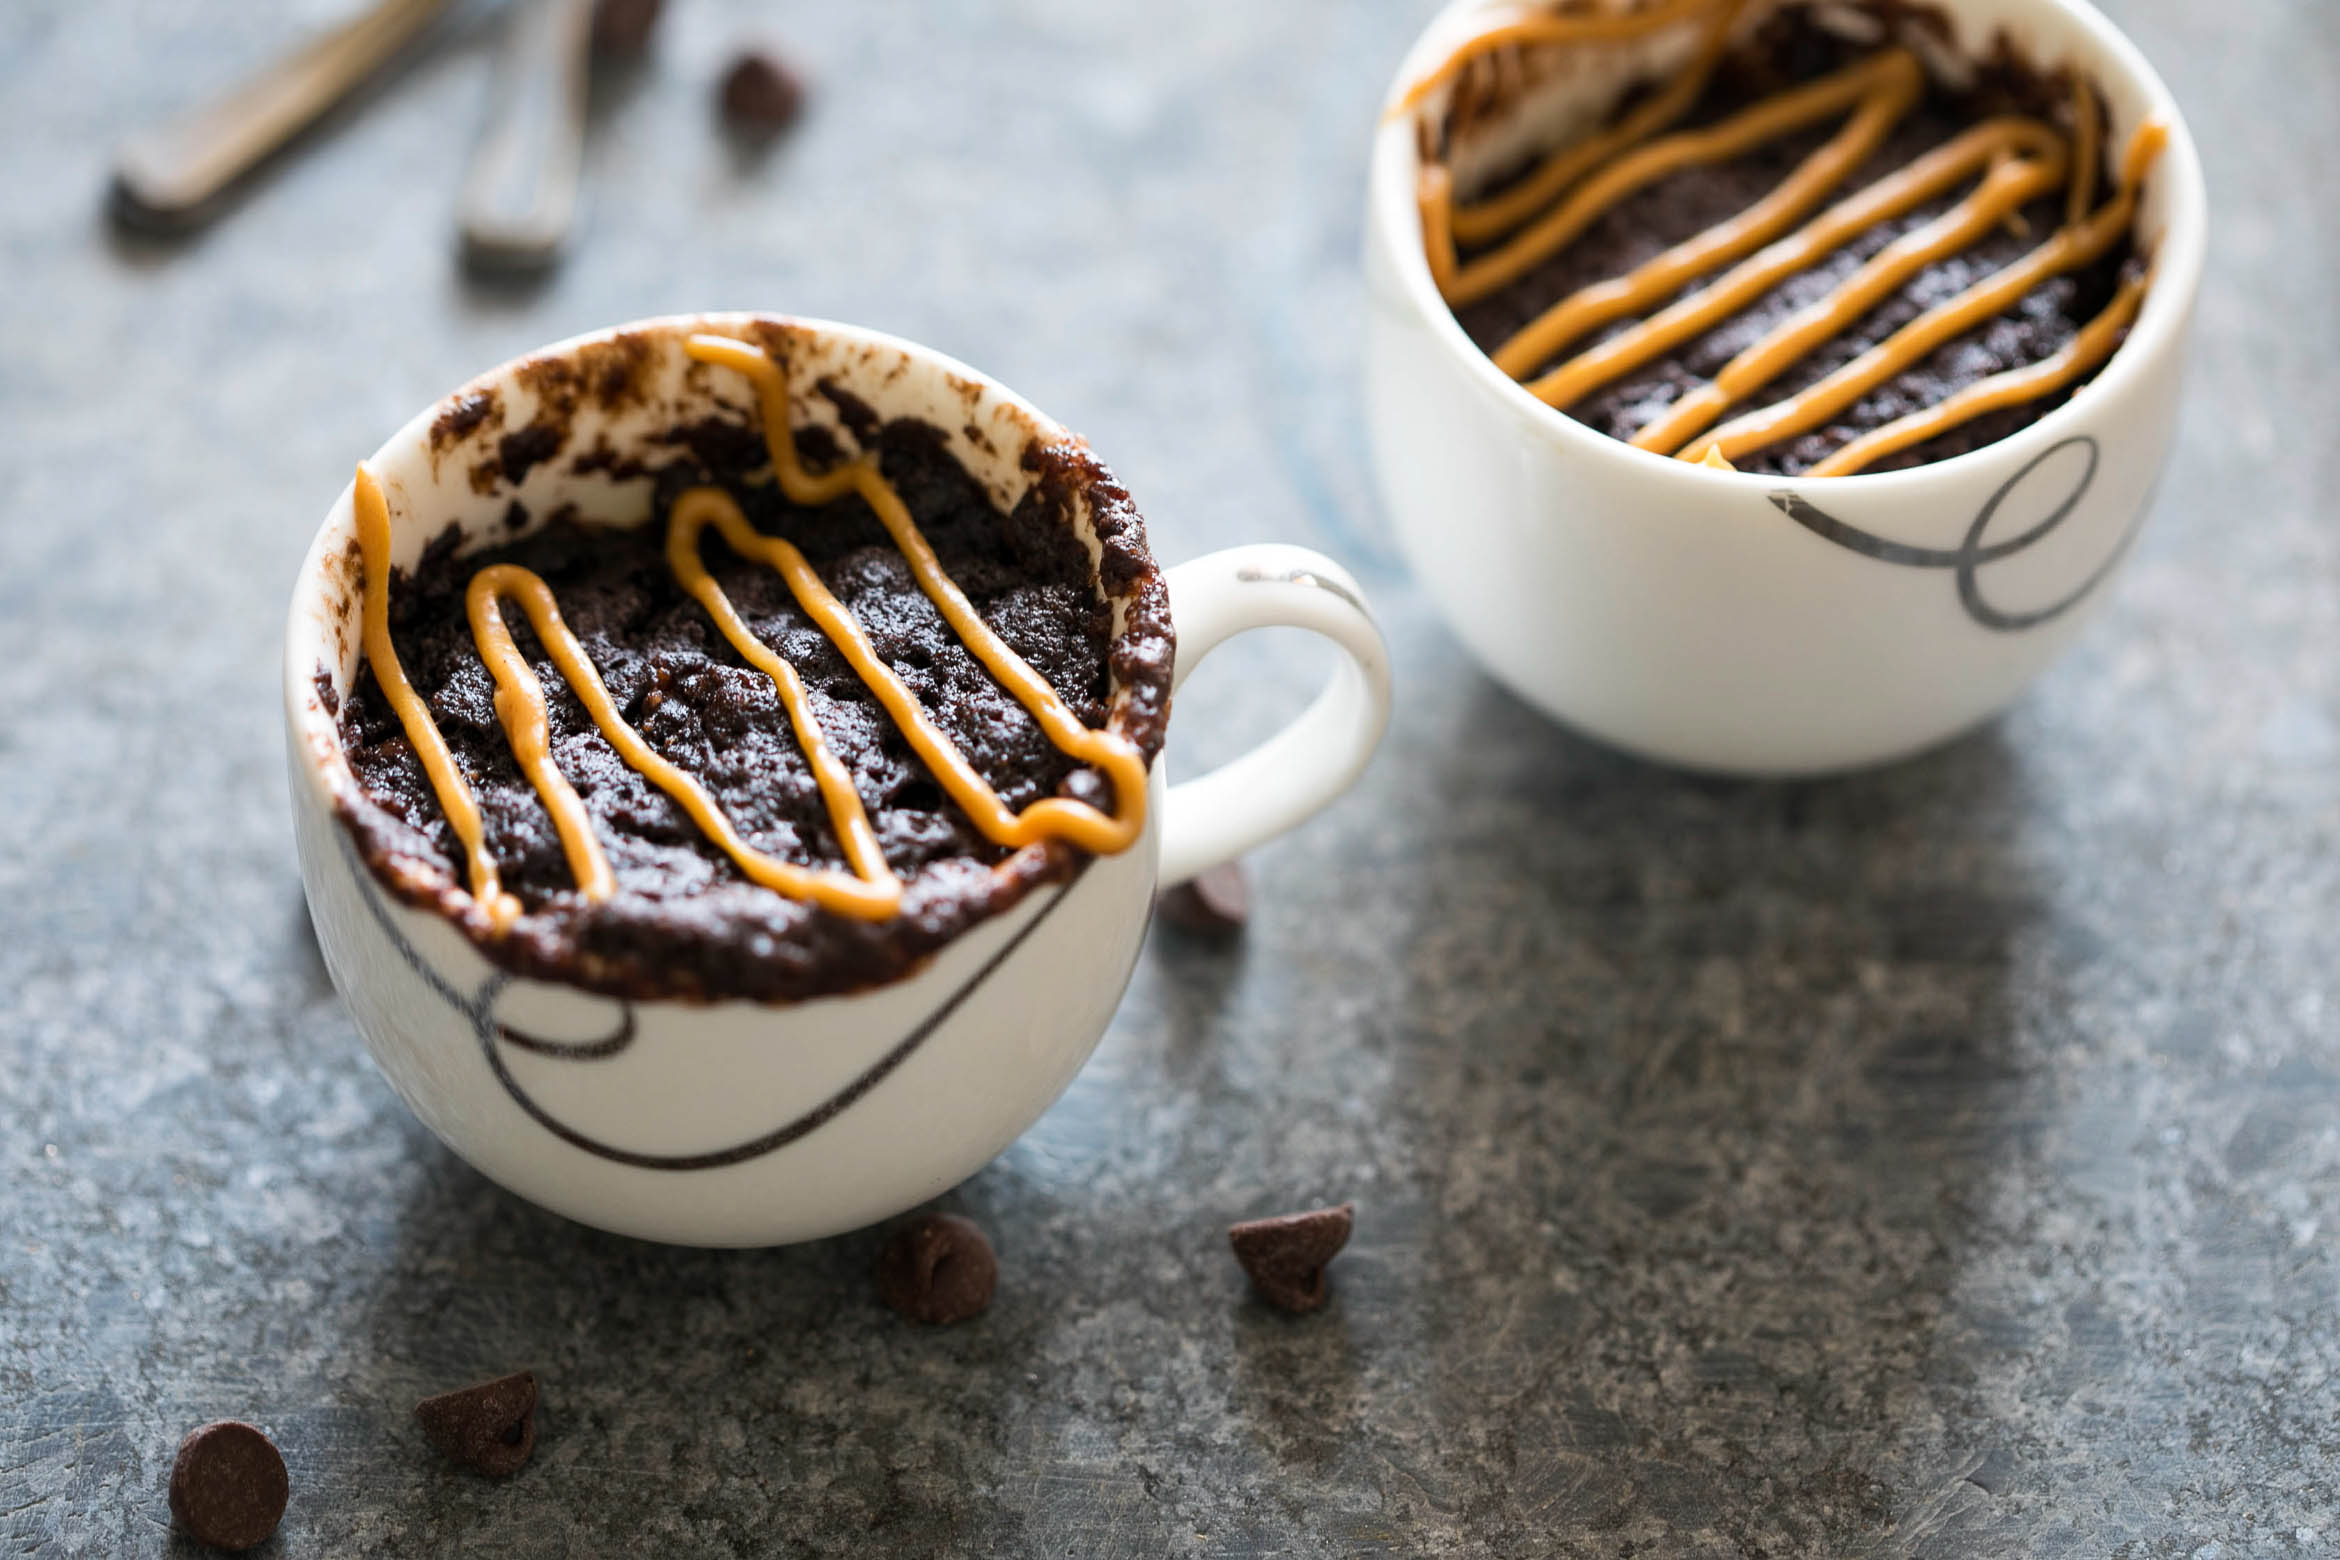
(519, 196)
(172, 169)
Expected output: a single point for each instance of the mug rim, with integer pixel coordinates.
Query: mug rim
(2157, 334)
(315, 634)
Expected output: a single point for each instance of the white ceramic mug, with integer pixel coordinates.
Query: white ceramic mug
(1765, 625)
(737, 1123)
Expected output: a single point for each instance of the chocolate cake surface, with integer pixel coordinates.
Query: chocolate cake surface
(1790, 48)
(684, 921)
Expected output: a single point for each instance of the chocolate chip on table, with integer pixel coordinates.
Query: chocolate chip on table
(938, 1269)
(490, 1427)
(228, 1485)
(761, 93)
(1286, 1256)
(622, 27)
(1214, 904)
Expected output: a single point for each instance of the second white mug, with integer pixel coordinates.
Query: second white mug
(1758, 625)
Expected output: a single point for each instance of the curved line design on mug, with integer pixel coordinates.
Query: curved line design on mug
(1969, 556)
(563, 1050)
(479, 1009)
(780, 1137)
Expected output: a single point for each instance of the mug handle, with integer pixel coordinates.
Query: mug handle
(1216, 817)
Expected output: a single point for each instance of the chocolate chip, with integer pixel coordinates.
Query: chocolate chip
(228, 1485)
(622, 27)
(761, 93)
(1286, 1256)
(490, 1427)
(938, 1269)
(1214, 904)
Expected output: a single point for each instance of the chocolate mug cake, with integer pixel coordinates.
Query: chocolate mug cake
(1804, 238)
(783, 740)
(1921, 271)
(724, 765)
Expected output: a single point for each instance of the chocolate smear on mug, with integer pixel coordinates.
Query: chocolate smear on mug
(1213, 903)
(1286, 1255)
(938, 1269)
(489, 1428)
(228, 1485)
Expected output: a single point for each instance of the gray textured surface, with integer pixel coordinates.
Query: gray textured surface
(1940, 1162)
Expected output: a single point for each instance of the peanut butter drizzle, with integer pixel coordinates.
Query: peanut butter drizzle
(871, 890)
(422, 732)
(2087, 151)
(692, 511)
(1529, 26)
(1060, 817)
(1588, 309)
(2083, 352)
(1884, 86)
(2069, 249)
(520, 706)
(2004, 189)
(1490, 219)
(2021, 159)
(1434, 191)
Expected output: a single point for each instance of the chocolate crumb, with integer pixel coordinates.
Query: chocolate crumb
(1215, 903)
(938, 1269)
(622, 27)
(490, 1427)
(516, 453)
(456, 422)
(761, 93)
(1286, 1256)
(228, 1485)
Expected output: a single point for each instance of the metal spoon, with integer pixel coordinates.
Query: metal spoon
(170, 172)
(519, 197)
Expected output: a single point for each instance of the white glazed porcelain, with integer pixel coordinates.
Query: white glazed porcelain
(1762, 625)
(736, 1123)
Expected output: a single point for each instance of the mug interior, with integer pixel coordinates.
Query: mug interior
(578, 430)
(2170, 226)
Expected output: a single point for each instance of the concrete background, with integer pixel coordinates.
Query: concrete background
(1943, 1161)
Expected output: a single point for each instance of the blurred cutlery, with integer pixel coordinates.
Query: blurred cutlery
(170, 172)
(519, 197)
